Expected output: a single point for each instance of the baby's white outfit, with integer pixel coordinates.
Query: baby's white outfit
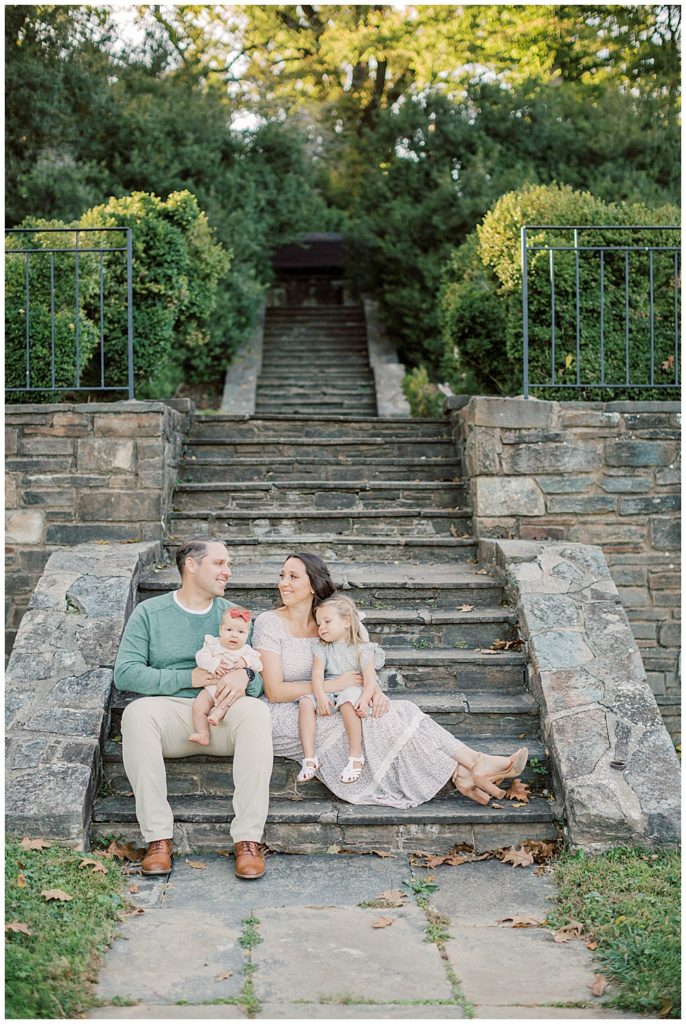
(211, 654)
(340, 657)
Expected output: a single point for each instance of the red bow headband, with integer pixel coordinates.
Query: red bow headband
(240, 613)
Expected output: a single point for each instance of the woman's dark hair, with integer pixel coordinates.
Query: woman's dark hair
(318, 574)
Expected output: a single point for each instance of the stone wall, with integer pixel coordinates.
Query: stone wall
(595, 473)
(614, 763)
(57, 687)
(87, 472)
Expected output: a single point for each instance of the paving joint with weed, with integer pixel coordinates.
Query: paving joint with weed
(436, 932)
(249, 938)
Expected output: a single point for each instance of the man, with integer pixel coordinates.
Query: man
(157, 658)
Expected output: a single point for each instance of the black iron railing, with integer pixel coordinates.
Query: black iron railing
(44, 302)
(606, 301)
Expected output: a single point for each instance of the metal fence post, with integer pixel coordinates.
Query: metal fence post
(129, 303)
(525, 313)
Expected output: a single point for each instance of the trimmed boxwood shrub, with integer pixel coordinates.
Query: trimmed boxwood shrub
(176, 267)
(481, 299)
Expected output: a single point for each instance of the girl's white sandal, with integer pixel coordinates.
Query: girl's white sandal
(309, 769)
(353, 769)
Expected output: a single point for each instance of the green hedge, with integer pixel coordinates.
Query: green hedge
(176, 268)
(481, 299)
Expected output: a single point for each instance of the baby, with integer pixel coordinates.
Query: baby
(231, 649)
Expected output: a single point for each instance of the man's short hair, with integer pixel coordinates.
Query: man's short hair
(195, 548)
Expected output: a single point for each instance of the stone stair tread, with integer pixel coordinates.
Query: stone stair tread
(112, 752)
(431, 702)
(210, 417)
(359, 574)
(421, 461)
(450, 809)
(450, 656)
(321, 540)
(320, 485)
(461, 512)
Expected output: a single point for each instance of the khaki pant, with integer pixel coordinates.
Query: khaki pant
(157, 727)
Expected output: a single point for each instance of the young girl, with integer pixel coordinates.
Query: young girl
(340, 649)
(231, 648)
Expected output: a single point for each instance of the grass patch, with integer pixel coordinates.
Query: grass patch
(628, 900)
(49, 973)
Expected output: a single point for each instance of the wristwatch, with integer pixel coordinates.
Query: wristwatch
(251, 674)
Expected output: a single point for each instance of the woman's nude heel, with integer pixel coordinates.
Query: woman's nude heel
(517, 766)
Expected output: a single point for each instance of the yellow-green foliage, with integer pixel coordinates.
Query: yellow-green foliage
(481, 296)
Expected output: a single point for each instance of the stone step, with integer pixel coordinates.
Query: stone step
(364, 388)
(316, 826)
(423, 587)
(211, 776)
(196, 468)
(240, 523)
(289, 446)
(282, 375)
(300, 407)
(217, 425)
(353, 549)
(284, 496)
(501, 714)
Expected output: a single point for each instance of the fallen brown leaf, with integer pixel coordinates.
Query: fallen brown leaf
(520, 922)
(591, 945)
(224, 975)
(599, 985)
(542, 851)
(466, 608)
(55, 894)
(517, 858)
(21, 880)
(199, 864)
(453, 530)
(382, 922)
(486, 650)
(665, 1008)
(381, 853)
(18, 926)
(127, 852)
(482, 572)
(498, 806)
(572, 930)
(393, 896)
(134, 888)
(95, 864)
(34, 844)
(518, 791)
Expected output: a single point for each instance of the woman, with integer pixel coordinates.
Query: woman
(409, 757)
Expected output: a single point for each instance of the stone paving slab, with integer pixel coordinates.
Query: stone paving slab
(347, 1011)
(497, 961)
(290, 880)
(485, 892)
(550, 1013)
(333, 952)
(165, 955)
(162, 1011)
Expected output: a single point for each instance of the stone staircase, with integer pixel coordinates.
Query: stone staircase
(314, 362)
(384, 503)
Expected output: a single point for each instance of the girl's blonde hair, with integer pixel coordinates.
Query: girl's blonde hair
(346, 607)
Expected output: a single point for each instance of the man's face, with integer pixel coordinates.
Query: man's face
(211, 573)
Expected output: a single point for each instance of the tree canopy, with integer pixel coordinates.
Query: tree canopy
(399, 124)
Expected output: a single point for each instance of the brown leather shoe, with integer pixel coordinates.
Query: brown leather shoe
(249, 860)
(158, 858)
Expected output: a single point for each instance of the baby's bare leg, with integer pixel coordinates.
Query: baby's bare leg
(307, 722)
(217, 712)
(353, 728)
(200, 709)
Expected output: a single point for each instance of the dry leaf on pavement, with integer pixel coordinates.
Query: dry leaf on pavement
(591, 945)
(18, 926)
(599, 985)
(520, 922)
(572, 930)
(382, 922)
(55, 894)
(134, 888)
(199, 864)
(95, 864)
(517, 858)
(223, 975)
(518, 791)
(393, 896)
(127, 852)
(466, 608)
(34, 844)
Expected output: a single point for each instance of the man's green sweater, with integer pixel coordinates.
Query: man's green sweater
(157, 652)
